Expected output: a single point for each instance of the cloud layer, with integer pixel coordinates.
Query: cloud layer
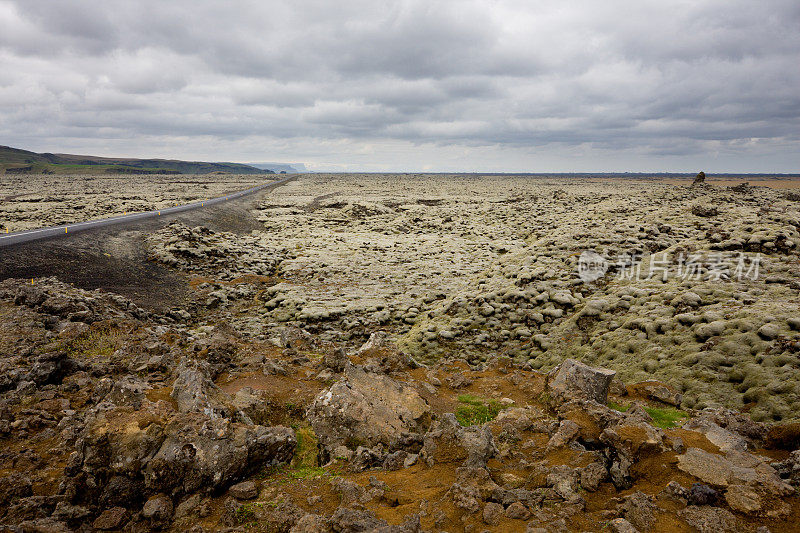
(416, 85)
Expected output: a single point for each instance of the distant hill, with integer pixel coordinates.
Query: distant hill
(16, 161)
(289, 168)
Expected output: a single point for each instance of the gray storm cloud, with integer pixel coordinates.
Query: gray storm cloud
(484, 85)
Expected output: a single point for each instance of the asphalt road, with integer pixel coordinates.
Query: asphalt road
(19, 237)
(111, 254)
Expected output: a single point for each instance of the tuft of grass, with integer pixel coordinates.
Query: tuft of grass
(306, 453)
(305, 463)
(353, 443)
(286, 473)
(664, 418)
(475, 411)
(309, 472)
(545, 398)
(246, 513)
(667, 417)
(98, 343)
(618, 407)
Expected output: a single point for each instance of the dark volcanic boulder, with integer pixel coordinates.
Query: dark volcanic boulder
(573, 379)
(128, 454)
(705, 211)
(206, 454)
(365, 409)
(699, 179)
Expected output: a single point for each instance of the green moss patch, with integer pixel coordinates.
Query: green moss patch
(474, 411)
(618, 407)
(667, 417)
(306, 454)
(664, 418)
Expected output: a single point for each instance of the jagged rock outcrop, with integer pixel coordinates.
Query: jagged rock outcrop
(449, 442)
(573, 379)
(128, 454)
(367, 409)
(194, 392)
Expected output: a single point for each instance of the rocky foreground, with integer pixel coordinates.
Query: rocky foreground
(113, 418)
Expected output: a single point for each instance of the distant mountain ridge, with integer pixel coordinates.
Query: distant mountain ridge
(289, 168)
(17, 161)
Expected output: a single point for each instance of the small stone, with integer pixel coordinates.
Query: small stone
(743, 499)
(562, 298)
(367, 408)
(639, 510)
(620, 525)
(310, 523)
(459, 381)
(691, 299)
(768, 331)
(708, 519)
(678, 445)
(712, 329)
(110, 519)
(246, 490)
(411, 460)
(158, 509)
(492, 513)
(187, 506)
(595, 307)
(592, 476)
(517, 511)
(700, 494)
(26, 387)
(704, 211)
(336, 360)
(567, 431)
(663, 393)
(68, 512)
(674, 492)
(395, 460)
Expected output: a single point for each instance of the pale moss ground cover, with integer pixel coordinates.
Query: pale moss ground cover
(472, 268)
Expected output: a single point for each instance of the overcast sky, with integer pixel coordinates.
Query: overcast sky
(489, 85)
